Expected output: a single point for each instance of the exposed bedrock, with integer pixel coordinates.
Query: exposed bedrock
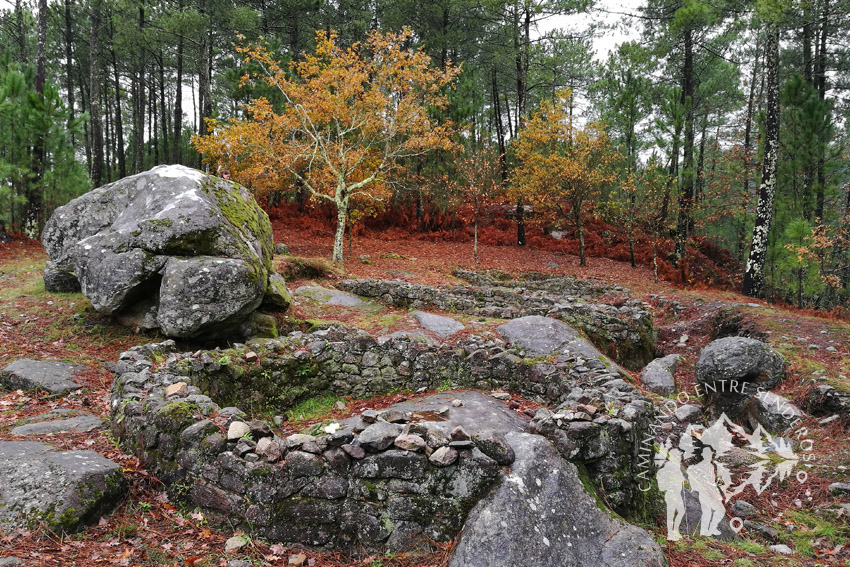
(170, 248)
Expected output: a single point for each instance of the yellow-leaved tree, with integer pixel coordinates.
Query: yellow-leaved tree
(561, 167)
(349, 117)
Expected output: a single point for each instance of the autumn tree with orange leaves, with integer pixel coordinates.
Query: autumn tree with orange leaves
(349, 118)
(561, 167)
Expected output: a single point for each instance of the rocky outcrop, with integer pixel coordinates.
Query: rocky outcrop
(540, 514)
(827, 400)
(170, 248)
(732, 370)
(51, 377)
(67, 490)
(622, 330)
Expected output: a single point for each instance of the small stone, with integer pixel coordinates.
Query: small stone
(297, 441)
(688, 413)
(743, 509)
(443, 411)
(369, 416)
(763, 529)
(683, 339)
(239, 563)
(260, 428)
(831, 349)
(495, 446)
(354, 451)
(298, 560)
(443, 457)
(281, 249)
(501, 395)
(588, 409)
(436, 438)
(667, 426)
(237, 430)
(251, 356)
(782, 548)
(235, 543)
(394, 416)
(179, 389)
(828, 420)
(365, 259)
(457, 403)
(243, 447)
(513, 404)
(340, 405)
(380, 435)
(410, 443)
(268, 449)
(459, 434)
(278, 420)
(10, 562)
(460, 445)
(839, 488)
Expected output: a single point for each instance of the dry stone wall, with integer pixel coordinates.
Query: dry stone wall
(623, 331)
(376, 485)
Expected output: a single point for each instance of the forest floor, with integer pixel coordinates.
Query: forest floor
(149, 529)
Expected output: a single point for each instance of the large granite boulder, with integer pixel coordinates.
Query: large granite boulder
(65, 489)
(541, 514)
(170, 248)
(732, 370)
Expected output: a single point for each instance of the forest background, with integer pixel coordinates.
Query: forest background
(716, 138)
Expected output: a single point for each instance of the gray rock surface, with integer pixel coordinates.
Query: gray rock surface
(544, 335)
(52, 377)
(688, 413)
(730, 371)
(692, 522)
(540, 514)
(66, 489)
(774, 412)
(657, 376)
(438, 324)
(171, 248)
(327, 296)
(78, 424)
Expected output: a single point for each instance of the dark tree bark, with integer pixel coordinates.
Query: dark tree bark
(754, 270)
(139, 106)
(32, 215)
(686, 195)
(821, 87)
(163, 114)
(95, 126)
(69, 66)
(119, 126)
(178, 99)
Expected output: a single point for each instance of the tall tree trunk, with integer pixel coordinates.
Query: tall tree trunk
(139, 106)
(69, 67)
(163, 115)
(119, 126)
(686, 195)
(204, 62)
(96, 126)
(500, 130)
(32, 216)
(754, 271)
(749, 124)
(22, 36)
(821, 86)
(178, 98)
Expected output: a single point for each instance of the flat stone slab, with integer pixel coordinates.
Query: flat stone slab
(544, 336)
(78, 424)
(438, 324)
(541, 514)
(327, 296)
(66, 489)
(27, 374)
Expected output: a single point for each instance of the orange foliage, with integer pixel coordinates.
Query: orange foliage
(350, 116)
